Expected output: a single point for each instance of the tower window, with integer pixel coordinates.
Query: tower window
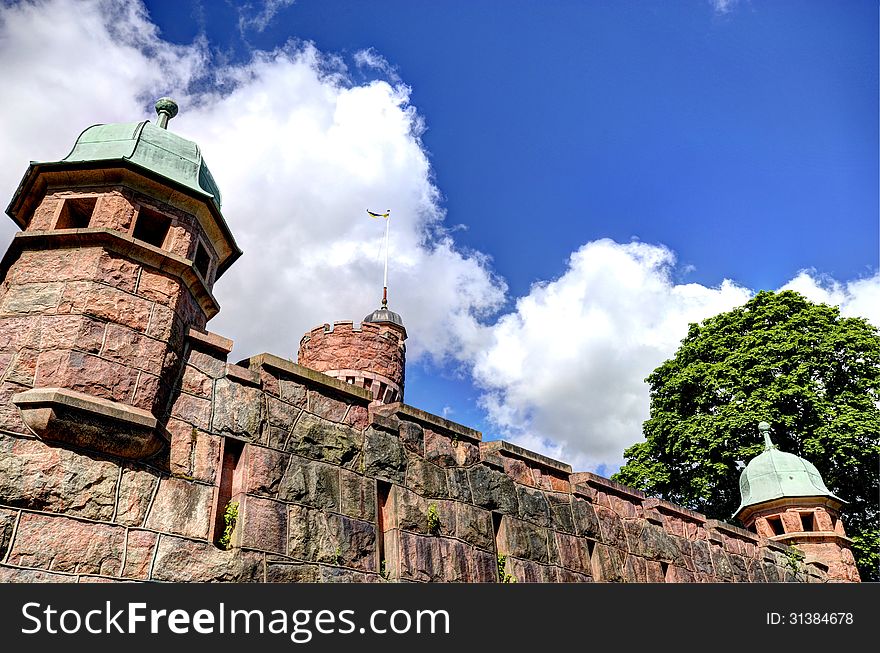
(202, 261)
(151, 227)
(808, 521)
(76, 213)
(776, 525)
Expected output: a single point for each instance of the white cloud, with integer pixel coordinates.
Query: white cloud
(369, 58)
(723, 6)
(856, 298)
(258, 18)
(564, 373)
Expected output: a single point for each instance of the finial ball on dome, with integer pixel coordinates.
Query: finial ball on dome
(763, 426)
(167, 105)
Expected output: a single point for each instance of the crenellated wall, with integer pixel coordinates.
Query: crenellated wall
(326, 485)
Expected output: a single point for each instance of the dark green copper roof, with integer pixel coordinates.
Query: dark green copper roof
(148, 146)
(775, 474)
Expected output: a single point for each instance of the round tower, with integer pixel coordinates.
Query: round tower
(785, 499)
(371, 355)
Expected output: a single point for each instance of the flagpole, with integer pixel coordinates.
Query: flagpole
(385, 279)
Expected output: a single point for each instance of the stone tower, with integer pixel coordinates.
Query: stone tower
(372, 355)
(120, 244)
(785, 499)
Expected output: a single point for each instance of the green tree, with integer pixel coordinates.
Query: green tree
(812, 374)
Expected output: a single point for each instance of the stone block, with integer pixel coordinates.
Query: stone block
(293, 393)
(238, 409)
(192, 410)
(357, 496)
(427, 479)
(384, 456)
(608, 564)
(106, 303)
(586, 522)
(86, 373)
(458, 485)
(67, 545)
(265, 469)
(721, 562)
(282, 415)
(343, 575)
(206, 457)
(32, 298)
(319, 439)
(196, 383)
(113, 211)
(561, 518)
(533, 505)
(652, 542)
(263, 525)
(409, 511)
(574, 553)
(124, 345)
(316, 536)
(182, 507)
(611, 526)
(636, 570)
(326, 407)
(702, 558)
(187, 561)
(159, 287)
(183, 440)
(41, 477)
(567, 576)
(522, 539)
(291, 572)
(10, 416)
(139, 554)
(528, 571)
(493, 490)
(111, 269)
(473, 525)
(209, 364)
(413, 437)
(69, 332)
(357, 417)
(439, 449)
(739, 569)
(136, 488)
(310, 482)
(421, 558)
(7, 524)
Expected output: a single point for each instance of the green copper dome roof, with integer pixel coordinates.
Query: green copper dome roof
(150, 147)
(774, 474)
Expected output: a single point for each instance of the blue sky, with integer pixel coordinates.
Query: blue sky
(570, 182)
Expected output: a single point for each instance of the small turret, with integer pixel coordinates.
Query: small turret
(785, 499)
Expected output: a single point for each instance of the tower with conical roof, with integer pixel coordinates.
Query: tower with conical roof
(120, 244)
(785, 499)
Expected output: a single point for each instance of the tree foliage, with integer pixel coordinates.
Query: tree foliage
(813, 375)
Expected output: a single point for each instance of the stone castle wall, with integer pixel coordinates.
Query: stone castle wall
(330, 486)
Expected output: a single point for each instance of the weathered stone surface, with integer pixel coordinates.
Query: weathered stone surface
(70, 331)
(135, 491)
(528, 571)
(326, 407)
(522, 539)
(413, 437)
(316, 438)
(41, 477)
(10, 417)
(131, 348)
(409, 512)
(343, 575)
(574, 553)
(755, 571)
(533, 505)
(561, 518)
(32, 298)
(263, 525)
(357, 495)
(187, 561)
(238, 409)
(384, 456)
(182, 507)
(193, 410)
(14, 575)
(266, 468)
(159, 287)
(310, 482)
(62, 544)
(473, 525)
(316, 536)
(702, 560)
(608, 564)
(611, 526)
(427, 479)
(104, 302)
(282, 415)
(139, 554)
(293, 393)
(652, 542)
(291, 572)
(209, 364)
(206, 457)
(439, 449)
(7, 524)
(567, 576)
(110, 269)
(458, 485)
(493, 490)
(676, 574)
(197, 383)
(86, 373)
(421, 558)
(738, 566)
(721, 562)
